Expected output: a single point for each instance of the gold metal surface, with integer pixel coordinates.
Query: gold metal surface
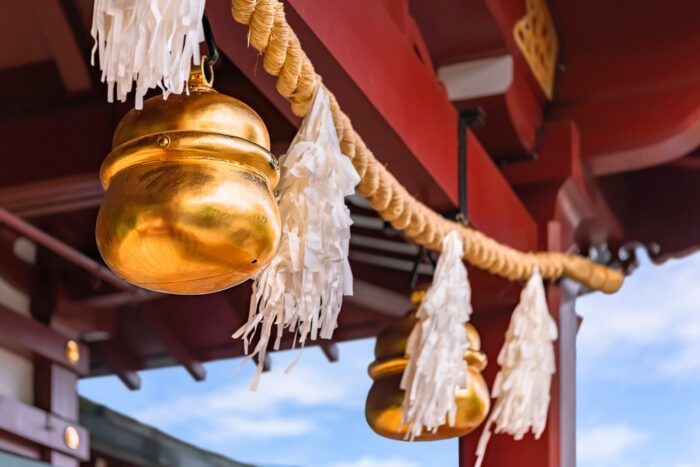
(72, 352)
(189, 207)
(71, 437)
(383, 406)
(537, 40)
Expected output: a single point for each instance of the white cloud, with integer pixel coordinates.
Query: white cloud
(306, 387)
(657, 306)
(375, 462)
(604, 444)
(235, 410)
(223, 427)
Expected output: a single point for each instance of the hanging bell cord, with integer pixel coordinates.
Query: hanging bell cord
(213, 56)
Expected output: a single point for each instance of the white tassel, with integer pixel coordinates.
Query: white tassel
(522, 386)
(152, 42)
(436, 346)
(303, 286)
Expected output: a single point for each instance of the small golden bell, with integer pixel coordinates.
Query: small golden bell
(385, 398)
(189, 207)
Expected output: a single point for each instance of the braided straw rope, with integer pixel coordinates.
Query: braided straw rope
(271, 35)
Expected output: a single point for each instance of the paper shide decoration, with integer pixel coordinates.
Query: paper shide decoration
(436, 367)
(150, 42)
(302, 288)
(522, 386)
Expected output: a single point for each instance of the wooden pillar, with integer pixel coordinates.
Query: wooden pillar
(56, 393)
(557, 445)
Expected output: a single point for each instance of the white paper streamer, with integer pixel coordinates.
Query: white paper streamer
(152, 42)
(303, 286)
(522, 386)
(436, 346)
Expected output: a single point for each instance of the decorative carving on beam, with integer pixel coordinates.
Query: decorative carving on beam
(537, 39)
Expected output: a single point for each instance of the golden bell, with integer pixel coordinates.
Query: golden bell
(189, 207)
(383, 407)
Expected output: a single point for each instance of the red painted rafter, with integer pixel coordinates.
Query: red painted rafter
(66, 49)
(120, 361)
(53, 196)
(330, 350)
(155, 319)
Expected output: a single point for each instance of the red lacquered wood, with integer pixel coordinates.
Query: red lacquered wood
(394, 101)
(34, 340)
(493, 207)
(557, 445)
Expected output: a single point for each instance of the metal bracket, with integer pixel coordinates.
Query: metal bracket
(415, 271)
(468, 118)
(211, 45)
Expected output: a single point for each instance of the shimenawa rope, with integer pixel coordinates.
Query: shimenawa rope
(271, 35)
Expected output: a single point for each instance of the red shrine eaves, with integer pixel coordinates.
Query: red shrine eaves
(568, 174)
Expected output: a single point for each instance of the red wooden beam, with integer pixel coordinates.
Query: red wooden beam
(379, 299)
(638, 115)
(65, 47)
(34, 340)
(120, 361)
(559, 184)
(330, 350)
(41, 428)
(513, 116)
(361, 54)
(232, 39)
(365, 58)
(493, 206)
(53, 196)
(166, 335)
(66, 251)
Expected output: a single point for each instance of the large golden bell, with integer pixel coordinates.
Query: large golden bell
(383, 407)
(189, 207)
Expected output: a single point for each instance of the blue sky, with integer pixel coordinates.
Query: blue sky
(638, 392)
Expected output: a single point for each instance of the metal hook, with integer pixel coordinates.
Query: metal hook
(422, 252)
(211, 45)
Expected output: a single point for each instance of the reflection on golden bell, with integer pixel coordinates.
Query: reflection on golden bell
(383, 406)
(189, 207)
